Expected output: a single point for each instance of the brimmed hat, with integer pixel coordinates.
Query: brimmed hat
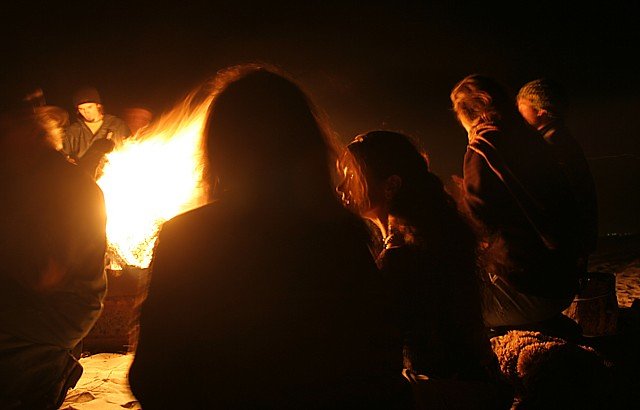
(86, 95)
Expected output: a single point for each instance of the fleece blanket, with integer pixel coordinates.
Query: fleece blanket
(549, 372)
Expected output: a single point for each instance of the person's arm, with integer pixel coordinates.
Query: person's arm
(90, 161)
(68, 149)
(481, 188)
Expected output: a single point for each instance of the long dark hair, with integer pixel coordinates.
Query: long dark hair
(264, 136)
(421, 204)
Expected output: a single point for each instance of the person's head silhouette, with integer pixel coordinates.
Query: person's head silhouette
(264, 139)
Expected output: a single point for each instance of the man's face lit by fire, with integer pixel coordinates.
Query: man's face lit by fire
(90, 112)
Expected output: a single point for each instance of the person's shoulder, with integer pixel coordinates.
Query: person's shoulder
(486, 137)
(77, 178)
(558, 133)
(198, 235)
(74, 126)
(115, 118)
(488, 131)
(116, 124)
(193, 220)
(73, 185)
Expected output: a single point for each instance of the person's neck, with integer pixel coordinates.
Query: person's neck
(94, 126)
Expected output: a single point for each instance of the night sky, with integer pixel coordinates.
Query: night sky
(366, 64)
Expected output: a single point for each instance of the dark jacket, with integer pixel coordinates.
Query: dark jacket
(569, 155)
(524, 207)
(87, 149)
(439, 314)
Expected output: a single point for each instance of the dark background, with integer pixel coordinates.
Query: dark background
(366, 64)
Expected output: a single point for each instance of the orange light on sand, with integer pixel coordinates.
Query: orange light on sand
(150, 178)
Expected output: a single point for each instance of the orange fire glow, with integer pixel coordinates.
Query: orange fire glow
(150, 178)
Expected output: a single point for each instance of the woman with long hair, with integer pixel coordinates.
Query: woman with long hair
(428, 261)
(267, 297)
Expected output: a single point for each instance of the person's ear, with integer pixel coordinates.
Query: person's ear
(391, 186)
(542, 113)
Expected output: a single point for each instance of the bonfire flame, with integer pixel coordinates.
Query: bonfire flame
(152, 177)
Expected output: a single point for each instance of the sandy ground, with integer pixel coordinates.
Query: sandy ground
(620, 255)
(104, 384)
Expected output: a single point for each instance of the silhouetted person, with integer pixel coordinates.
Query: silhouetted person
(94, 133)
(137, 118)
(521, 203)
(429, 262)
(268, 297)
(543, 103)
(53, 242)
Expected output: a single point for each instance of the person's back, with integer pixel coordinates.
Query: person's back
(266, 311)
(523, 205)
(268, 296)
(543, 104)
(53, 282)
(532, 213)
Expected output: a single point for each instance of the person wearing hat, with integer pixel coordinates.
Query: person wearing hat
(94, 133)
(543, 103)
